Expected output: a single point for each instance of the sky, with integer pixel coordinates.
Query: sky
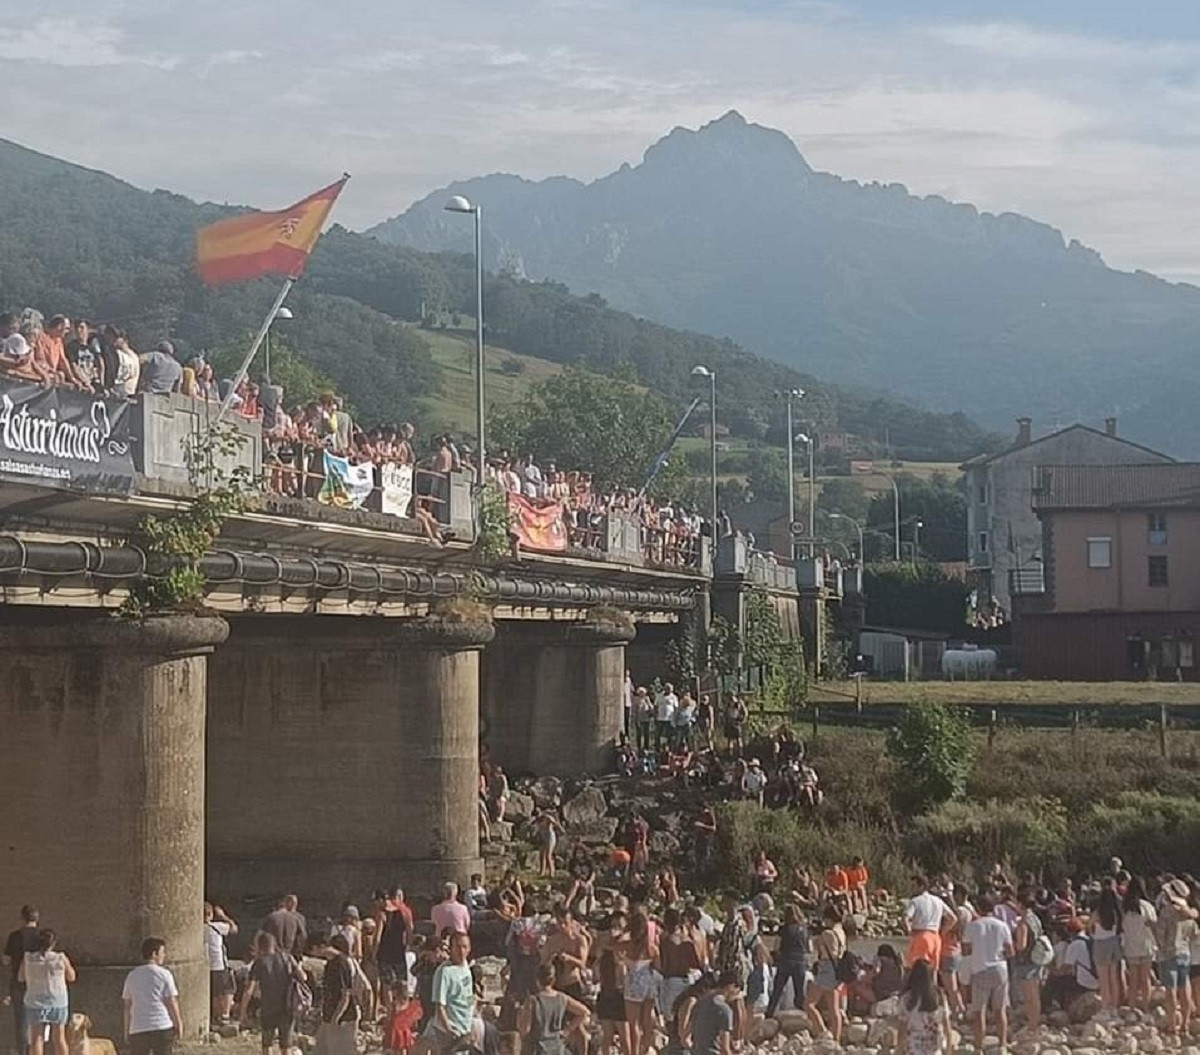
(1080, 113)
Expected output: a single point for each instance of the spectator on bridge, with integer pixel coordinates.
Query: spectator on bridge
(159, 371)
(86, 356)
(50, 353)
(450, 914)
(16, 354)
(126, 366)
(151, 998)
(288, 926)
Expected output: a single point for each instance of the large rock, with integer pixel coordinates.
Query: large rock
(1084, 1008)
(764, 1029)
(599, 832)
(519, 807)
(547, 793)
(587, 807)
(792, 1022)
(856, 1033)
(664, 846)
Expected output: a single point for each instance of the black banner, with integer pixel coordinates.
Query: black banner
(60, 437)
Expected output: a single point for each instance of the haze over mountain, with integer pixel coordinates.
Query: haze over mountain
(729, 231)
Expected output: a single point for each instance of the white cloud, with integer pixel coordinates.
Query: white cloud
(69, 43)
(1097, 135)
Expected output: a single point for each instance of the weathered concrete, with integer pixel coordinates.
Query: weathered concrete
(103, 821)
(552, 696)
(343, 756)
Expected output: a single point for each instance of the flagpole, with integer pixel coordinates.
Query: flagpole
(240, 376)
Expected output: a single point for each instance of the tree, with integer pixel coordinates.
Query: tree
(300, 382)
(940, 505)
(768, 474)
(581, 420)
(922, 597)
(932, 750)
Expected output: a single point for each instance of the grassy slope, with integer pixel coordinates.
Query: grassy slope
(1025, 692)
(453, 408)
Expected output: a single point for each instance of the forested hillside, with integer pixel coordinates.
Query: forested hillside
(86, 244)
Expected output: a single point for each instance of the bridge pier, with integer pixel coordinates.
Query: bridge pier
(102, 756)
(552, 696)
(343, 756)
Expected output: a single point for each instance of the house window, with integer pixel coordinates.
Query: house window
(983, 542)
(1156, 529)
(1186, 655)
(1156, 571)
(1099, 552)
(983, 494)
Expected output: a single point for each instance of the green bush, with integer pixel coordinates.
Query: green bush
(790, 839)
(964, 837)
(1146, 830)
(932, 747)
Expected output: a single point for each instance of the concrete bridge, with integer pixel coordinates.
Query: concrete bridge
(316, 728)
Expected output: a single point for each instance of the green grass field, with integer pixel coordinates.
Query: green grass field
(454, 351)
(1061, 693)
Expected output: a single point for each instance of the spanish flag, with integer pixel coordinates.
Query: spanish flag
(264, 243)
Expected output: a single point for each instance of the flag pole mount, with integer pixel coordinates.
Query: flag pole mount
(244, 369)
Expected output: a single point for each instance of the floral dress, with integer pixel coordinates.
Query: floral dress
(925, 1029)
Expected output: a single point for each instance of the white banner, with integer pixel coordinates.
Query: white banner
(396, 483)
(346, 485)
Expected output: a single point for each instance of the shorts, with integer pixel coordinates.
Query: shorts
(924, 945)
(825, 976)
(1106, 951)
(1175, 973)
(641, 983)
(220, 983)
(610, 1005)
(276, 1027)
(46, 1016)
(1027, 972)
(153, 1042)
(951, 962)
(989, 988)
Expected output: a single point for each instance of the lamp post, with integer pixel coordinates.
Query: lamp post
(282, 313)
(704, 371)
(812, 495)
(460, 204)
(895, 513)
(917, 525)
(858, 527)
(790, 395)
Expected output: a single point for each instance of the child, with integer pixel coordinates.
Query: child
(399, 1034)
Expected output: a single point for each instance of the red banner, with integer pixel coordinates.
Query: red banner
(537, 525)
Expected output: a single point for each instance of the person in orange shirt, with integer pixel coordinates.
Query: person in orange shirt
(837, 887)
(858, 877)
(50, 354)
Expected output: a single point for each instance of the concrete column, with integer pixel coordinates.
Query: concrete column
(102, 778)
(343, 756)
(554, 696)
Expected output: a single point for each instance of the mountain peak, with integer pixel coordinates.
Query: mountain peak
(728, 138)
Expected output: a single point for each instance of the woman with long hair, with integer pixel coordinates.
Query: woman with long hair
(1138, 941)
(641, 982)
(46, 973)
(1106, 945)
(826, 992)
(924, 1014)
(677, 960)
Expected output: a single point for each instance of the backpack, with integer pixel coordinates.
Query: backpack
(847, 968)
(299, 999)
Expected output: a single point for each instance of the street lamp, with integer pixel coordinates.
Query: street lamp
(858, 527)
(460, 204)
(812, 495)
(704, 371)
(791, 395)
(917, 525)
(282, 313)
(895, 512)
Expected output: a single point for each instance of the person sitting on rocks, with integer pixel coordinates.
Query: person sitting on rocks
(679, 762)
(583, 879)
(805, 892)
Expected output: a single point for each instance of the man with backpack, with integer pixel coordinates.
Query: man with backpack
(279, 984)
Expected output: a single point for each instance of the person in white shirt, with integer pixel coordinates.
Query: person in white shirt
(987, 940)
(665, 706)
(152, 1021)
(627, 702)
(925, 917)
(754, 782)
(221, 988)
